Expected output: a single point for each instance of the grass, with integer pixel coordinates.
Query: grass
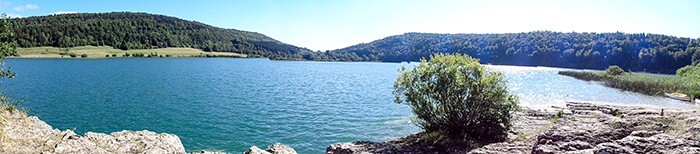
(102, 51)
(642, 83)
(11, 105)
(556, 117)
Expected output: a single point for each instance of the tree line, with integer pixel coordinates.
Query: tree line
(636, 52)
(125, 30)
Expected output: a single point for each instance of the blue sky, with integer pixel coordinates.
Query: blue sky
(332, 24)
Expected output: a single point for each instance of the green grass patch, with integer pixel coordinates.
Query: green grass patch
(556, 117)
(102, 51)
(649, 84)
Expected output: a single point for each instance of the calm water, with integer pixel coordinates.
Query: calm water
(232, 104)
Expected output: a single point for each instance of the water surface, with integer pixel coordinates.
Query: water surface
(232, 104)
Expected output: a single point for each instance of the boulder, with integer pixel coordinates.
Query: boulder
(276, 148)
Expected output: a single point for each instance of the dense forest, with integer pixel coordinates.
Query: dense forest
(636, 52)
(124, 30)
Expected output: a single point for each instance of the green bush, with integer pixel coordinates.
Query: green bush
(614, 70)
(456, 98)
(83, 56)
(689, 71)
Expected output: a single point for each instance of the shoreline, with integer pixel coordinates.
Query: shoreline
(99, 52)
(583, 128)
(21, 133)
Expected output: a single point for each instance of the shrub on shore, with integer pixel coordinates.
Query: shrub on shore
(84, 56)
(614, 70)
(456, 100)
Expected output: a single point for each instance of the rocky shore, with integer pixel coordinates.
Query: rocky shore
(582, 128)
(20, 133)
(27, 134)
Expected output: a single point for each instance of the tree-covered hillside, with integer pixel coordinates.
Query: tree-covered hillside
(637, 52)
(124, 30)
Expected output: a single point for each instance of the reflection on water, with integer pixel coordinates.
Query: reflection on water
(542, 87)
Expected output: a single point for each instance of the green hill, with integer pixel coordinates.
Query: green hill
(637, 52)
(126, 31)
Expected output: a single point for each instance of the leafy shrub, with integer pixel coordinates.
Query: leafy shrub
(114, 55)
(72, 55)
(83, 56)
(454, 97)
(689, 71)
(614, 70)
(107, 55)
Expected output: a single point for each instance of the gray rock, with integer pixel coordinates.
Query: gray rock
(255, 150)
(584, 128)
(276, 148)
(27, 134)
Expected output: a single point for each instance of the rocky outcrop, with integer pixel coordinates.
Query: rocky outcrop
(276, 148)
(583, 128)
(27, 134)
(20, 133)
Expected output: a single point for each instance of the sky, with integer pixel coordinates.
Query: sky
(332, 24)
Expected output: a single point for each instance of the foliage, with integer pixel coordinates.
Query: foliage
(614, 70)
(636, 52)
(686, 81)
(557, 116)
(11, 105)
(588, 76)
(84, 56)
(454, 97)
(124, 30)
(689, 71)
(7, 46)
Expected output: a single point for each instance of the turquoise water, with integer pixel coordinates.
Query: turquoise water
(232, 104)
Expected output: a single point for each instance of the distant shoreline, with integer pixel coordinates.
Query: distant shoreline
(99, 52)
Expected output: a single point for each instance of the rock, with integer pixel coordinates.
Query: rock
(584, 128)
(276, 148)
(28, 134)
(255, 150)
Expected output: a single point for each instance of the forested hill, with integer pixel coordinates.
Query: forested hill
(124, 30)
(637, 52)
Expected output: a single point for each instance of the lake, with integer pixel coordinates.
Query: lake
(232, 104)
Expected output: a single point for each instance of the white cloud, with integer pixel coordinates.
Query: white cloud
(64, 12)
(26, 7)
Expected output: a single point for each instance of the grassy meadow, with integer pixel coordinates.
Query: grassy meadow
(103, 51)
